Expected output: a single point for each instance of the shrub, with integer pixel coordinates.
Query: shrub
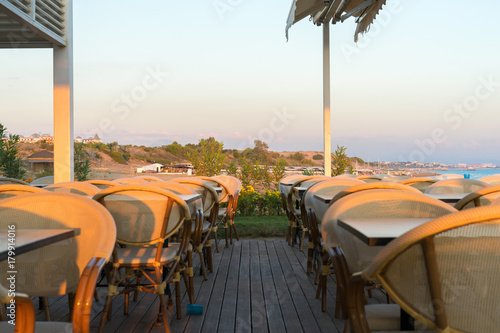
(318, 157)
(251, 202)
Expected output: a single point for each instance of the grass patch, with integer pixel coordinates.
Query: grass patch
(258, 226)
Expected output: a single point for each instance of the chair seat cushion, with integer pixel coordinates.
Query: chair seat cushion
(132, 255)
(222, 212)
(383, 317)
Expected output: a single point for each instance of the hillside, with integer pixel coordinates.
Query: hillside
(109, 161)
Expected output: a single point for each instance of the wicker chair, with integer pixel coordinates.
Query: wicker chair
(372, 186)
(64, 267)
(310, 203)
(351, 255)
(43, 181)
(8, 191)
(449, 176)
(210, 201)
(492, 180)
(456, 185)
(369, 179)
(285, 186)
(482, 197)
(131, 181)
(80, 188)
(150, 178)
(145, 217)
(294, 200)
(420, 183)
(233, 184)
(444, 273)
(6, 180)
(102, 184)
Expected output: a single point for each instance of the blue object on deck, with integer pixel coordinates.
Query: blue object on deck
(467, 176)
(194, 309)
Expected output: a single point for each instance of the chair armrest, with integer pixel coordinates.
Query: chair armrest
(23, 312)
(356, 304)
(85, 293)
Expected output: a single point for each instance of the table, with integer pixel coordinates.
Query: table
(448, 197)
(380, 231)
(31, 239)
(300, 191)
(324, 198)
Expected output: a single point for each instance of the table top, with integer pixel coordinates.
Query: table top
(300, 190)
(325, 198)
(189, 198)
(448, 197)
(380, 231)
(25, 240)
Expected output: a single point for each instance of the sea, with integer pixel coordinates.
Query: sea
(474, 174)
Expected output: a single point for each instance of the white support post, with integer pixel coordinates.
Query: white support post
(326, 100)
(63, 103)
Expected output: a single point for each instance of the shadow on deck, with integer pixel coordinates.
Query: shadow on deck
(256, 286)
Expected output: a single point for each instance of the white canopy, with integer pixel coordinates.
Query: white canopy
(321, 12)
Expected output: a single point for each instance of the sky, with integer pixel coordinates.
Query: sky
(422, 85)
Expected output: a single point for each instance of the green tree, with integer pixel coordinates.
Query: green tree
(278, 172)
(208, 158)
(10, 163)
(232, 169)
(82, 163)
(246, 171)
(340, 161)
(318, 157)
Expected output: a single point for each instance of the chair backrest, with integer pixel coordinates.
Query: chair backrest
(292, 195)
(492, 180)
(144, 214)
(369, 179)
(481, 197)
(456, 185)
(449, 176)
(333, 186)
(420, 183)
(372, 186)
(80, 188)
(233, 184)
(6, 180)
(180, 189)
(12, 190)
(445, 273)
(209, 195)
(381, 203)
(101, 184)
(47, 180)
(131, 180)
(216, 182)
(55, 269)
(150, 178)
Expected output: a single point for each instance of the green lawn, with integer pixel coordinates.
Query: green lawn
(259, 226)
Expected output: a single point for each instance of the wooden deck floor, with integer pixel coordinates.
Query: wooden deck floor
(256, 286)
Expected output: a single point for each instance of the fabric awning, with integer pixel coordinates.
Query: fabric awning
(335, 10)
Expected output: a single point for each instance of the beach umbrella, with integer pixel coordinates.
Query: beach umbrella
(321, 13)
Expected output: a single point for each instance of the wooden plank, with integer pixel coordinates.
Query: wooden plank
(213, 309)
(227, 321)
(304, 311)
(203, 293)
(243, 307)
(257, 302)
(325, 320)
(272, 308)
(285, 299)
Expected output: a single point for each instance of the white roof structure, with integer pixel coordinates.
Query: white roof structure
(321, 12)
(47, 24)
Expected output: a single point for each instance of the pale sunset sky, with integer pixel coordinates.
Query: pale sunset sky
(423, 84)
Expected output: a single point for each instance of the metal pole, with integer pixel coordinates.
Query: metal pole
(326, 100)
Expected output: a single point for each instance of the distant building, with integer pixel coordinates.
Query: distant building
(156, 167)
(94, 139)
(42, 161)
(78, 139)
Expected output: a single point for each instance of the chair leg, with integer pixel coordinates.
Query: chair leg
(46, 308)
(208, 247)
(163, 313)
(234, 229)
(136, 293)
(214, 230)
(203, 268)
(189, 271)
(226, 225)
(71, 301)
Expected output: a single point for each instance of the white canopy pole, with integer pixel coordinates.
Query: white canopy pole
(326, 100)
